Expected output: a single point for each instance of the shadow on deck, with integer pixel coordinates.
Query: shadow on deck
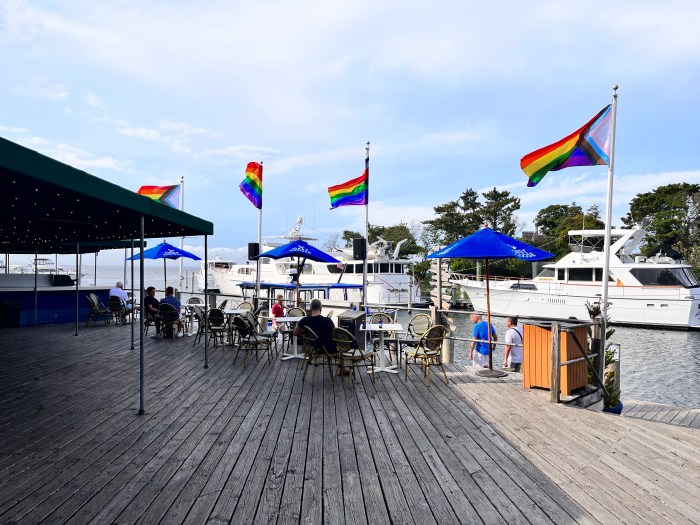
(256, 444)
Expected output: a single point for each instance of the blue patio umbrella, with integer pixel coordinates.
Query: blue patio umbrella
(489, 244)
(302, 250)
(164, 251)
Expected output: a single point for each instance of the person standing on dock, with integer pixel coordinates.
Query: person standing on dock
(513, 356)
(480, 358)
(278, 307)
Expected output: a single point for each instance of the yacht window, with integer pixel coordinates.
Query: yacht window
(546, 272)
(580, 274)
(333, 268)
(599, 276)
(370, 268)
(561, 274)
(384, 268)
(666, 277)
(523, 286)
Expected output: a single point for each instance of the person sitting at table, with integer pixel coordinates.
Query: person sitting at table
(118, 291)
(278, 307)
(151, 304)
(174, 301)
(323, 327)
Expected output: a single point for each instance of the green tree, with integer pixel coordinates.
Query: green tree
(348, 236)
(395, 234)
(670, 214)
(548, 218)
(498, 211)
(456, 219)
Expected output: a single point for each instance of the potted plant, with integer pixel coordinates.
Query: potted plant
(611, 399)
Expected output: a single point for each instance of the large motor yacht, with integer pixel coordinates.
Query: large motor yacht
(658, 290)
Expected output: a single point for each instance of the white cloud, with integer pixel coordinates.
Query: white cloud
(86, 161)
(140, 133)
(40, 87)
(94, 101)
(10, 129)
(181, 127)
(240, 152)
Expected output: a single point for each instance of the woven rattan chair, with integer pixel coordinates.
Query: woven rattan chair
(217, 328)
(389, 337)
(97, 310)
(316, 354)
(417, 326)
(249, 341)
(169, 320)
(350, 354)
(428, 352)
(118, 308)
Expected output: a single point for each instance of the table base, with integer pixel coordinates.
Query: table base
(391, 369)
(286, 357)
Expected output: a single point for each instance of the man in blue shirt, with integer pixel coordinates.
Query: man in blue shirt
(171, 299)
(481, 356)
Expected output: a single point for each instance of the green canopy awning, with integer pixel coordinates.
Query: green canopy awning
(46, 205)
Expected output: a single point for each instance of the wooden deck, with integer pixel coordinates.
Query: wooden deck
(258, 445)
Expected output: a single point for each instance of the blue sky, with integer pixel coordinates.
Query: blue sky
(451, 95)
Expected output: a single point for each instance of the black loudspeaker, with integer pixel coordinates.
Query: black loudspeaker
(359, 249)
(253, 250)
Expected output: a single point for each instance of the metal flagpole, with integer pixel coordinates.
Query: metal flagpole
(257, 260)
(182, 239)
(608, 221)
(364, 262)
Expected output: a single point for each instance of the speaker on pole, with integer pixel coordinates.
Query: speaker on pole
(359, 249)
(253, 250)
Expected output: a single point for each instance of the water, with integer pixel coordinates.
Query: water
(661, 366)
(153, 276)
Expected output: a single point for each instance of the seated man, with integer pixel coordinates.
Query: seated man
(175, 302)
(323, 327)
(151, 304)
(118, 291)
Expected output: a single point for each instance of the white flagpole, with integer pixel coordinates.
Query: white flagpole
(608, 221)
(257, 261)
(364, 263)
(182, 239)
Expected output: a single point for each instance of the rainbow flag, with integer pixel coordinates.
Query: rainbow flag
(252, 184)
(351, 193)
(587, 146)
(168, 195)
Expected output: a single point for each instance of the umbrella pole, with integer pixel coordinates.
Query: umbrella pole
(489, 372)
(165, 275)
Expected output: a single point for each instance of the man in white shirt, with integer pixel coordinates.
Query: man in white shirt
(118, 290)
(513, 355)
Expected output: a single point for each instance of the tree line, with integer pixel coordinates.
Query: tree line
(669, 214)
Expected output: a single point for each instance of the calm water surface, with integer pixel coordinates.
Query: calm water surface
(661, 366)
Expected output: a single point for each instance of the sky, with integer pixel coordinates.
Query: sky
(450, 95)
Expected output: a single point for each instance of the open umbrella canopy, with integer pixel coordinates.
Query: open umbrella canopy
(164, 251)
(301, 249)
(489, 244)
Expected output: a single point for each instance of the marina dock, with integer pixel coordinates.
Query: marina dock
(229, 444)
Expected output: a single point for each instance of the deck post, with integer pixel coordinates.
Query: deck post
(555, 361)
(596, 347)
(448, 344)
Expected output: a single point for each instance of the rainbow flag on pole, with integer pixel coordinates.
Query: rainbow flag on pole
(252, 184)
(351, 193)
(587, 146)
(168, 195)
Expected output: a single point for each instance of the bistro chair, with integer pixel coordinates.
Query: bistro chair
(417, 326)
(261, 329)
(249, 341)
(287, 330)
(428, 352)
(350, 354)
(217, 325)
(118, 308)
(201, 326)
(223, 304)
(389, 337)
(169, 320)
(316, 354)
(97, 310)
(246, 305)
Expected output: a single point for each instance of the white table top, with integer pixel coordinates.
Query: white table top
(233, 311)
(384, 327)
(288, 319)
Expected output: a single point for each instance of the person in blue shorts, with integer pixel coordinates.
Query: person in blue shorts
(479, 351)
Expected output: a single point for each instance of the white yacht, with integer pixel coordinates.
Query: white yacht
(657, 291)
(388, 279)
(44, 266)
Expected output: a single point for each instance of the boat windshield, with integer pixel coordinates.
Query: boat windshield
(666, 277)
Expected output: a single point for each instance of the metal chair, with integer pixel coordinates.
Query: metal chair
(169, 320)
(249, 341)
(245, 305)
(428, 352)
(118, 308)
(217, 328)
(417, 326)
(97, 310)
(201, 326)
(389, 337)
(350, 354)
(316, 354)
